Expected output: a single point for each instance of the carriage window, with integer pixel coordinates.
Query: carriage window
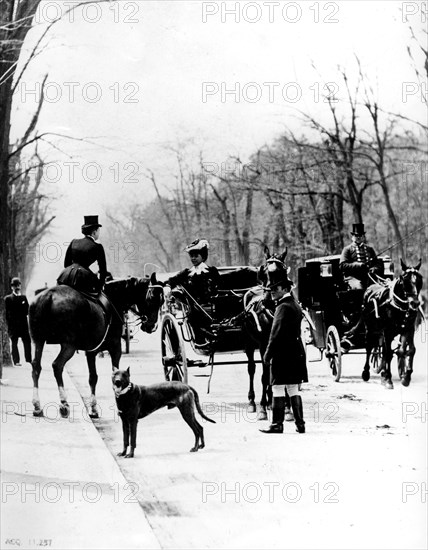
(326, 270)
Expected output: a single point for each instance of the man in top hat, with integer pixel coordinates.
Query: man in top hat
(201, 282)
(286, 355)
(359, 260)
(82, 253)
(357, 263)
(16, 305)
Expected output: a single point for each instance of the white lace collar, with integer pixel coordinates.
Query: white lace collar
(198, 269)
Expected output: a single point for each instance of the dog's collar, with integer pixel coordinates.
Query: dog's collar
(125, 390)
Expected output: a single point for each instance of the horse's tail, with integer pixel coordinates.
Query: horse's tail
(198, 406)
(39, 316)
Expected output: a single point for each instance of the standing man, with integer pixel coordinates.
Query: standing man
(357, 263)
(286, 355)
(16, 305)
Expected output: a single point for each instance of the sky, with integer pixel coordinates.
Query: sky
(130, 83)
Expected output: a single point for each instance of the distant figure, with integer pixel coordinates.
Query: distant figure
(82, 253)
(16, 305)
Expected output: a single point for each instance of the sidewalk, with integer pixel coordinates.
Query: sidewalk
(61, 487)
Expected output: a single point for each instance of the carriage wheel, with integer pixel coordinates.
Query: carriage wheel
(333, 352)
(173, 353)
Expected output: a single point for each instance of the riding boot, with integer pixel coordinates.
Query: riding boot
(297, 406)
(278, 409)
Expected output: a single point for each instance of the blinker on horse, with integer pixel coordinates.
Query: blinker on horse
(62, 315)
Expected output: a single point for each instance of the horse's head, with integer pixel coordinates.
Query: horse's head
(274, 265)
(411, 283)
(150, 300)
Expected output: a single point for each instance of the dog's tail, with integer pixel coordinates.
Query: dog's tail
(198, 406)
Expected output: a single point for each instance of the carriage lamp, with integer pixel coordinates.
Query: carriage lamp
(326, 270)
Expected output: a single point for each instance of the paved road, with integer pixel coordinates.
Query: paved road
(356, 479)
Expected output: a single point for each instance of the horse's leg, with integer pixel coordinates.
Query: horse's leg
(365, 375)
(37, 369)
(406, 353)
(251, 367)
(386, 364)
(266, 400)
(64, 355)
(288, 417)
(93, 379)
(115, 351)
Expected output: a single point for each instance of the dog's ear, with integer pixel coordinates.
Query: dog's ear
(128, 371)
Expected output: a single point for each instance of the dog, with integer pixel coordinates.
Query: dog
(134, 402)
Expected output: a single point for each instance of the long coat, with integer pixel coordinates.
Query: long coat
(81, 253)
(285, 349)
(202, 286)
(16, 314)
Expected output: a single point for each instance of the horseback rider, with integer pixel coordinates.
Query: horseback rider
(359, 265)
(82, 253)
(285, 354)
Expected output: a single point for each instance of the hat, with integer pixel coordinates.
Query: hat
(358, 229)
(91, 221)
(16, 281)
(198, 245)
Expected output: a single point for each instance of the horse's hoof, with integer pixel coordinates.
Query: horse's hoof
(365, 375)
(388, 384)
(262, 415)
(405, 381)
(38, 413)
(251, 408)
(93, 415)
(64, 411)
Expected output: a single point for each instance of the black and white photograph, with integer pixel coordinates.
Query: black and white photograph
(213, 274)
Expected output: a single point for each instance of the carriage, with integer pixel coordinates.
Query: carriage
(192, 335)
(332, 309)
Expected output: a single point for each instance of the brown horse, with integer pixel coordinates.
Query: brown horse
(62, 315)
(389, 311)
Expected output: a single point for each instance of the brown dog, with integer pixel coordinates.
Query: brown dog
(134, 402)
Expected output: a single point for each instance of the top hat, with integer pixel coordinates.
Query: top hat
(358, 229)
(16, 281)
(91, 221)
(197, 246)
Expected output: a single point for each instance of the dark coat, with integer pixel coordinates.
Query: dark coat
(202, 286)
(351, 264)
(285, 349)
(81, 253)
(16, 314)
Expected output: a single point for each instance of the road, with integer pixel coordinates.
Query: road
(356, 479)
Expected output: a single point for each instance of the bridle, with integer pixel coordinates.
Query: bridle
(400, 303)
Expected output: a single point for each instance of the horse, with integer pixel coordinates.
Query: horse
(256, 322)
(389, 311)
(65, 316)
